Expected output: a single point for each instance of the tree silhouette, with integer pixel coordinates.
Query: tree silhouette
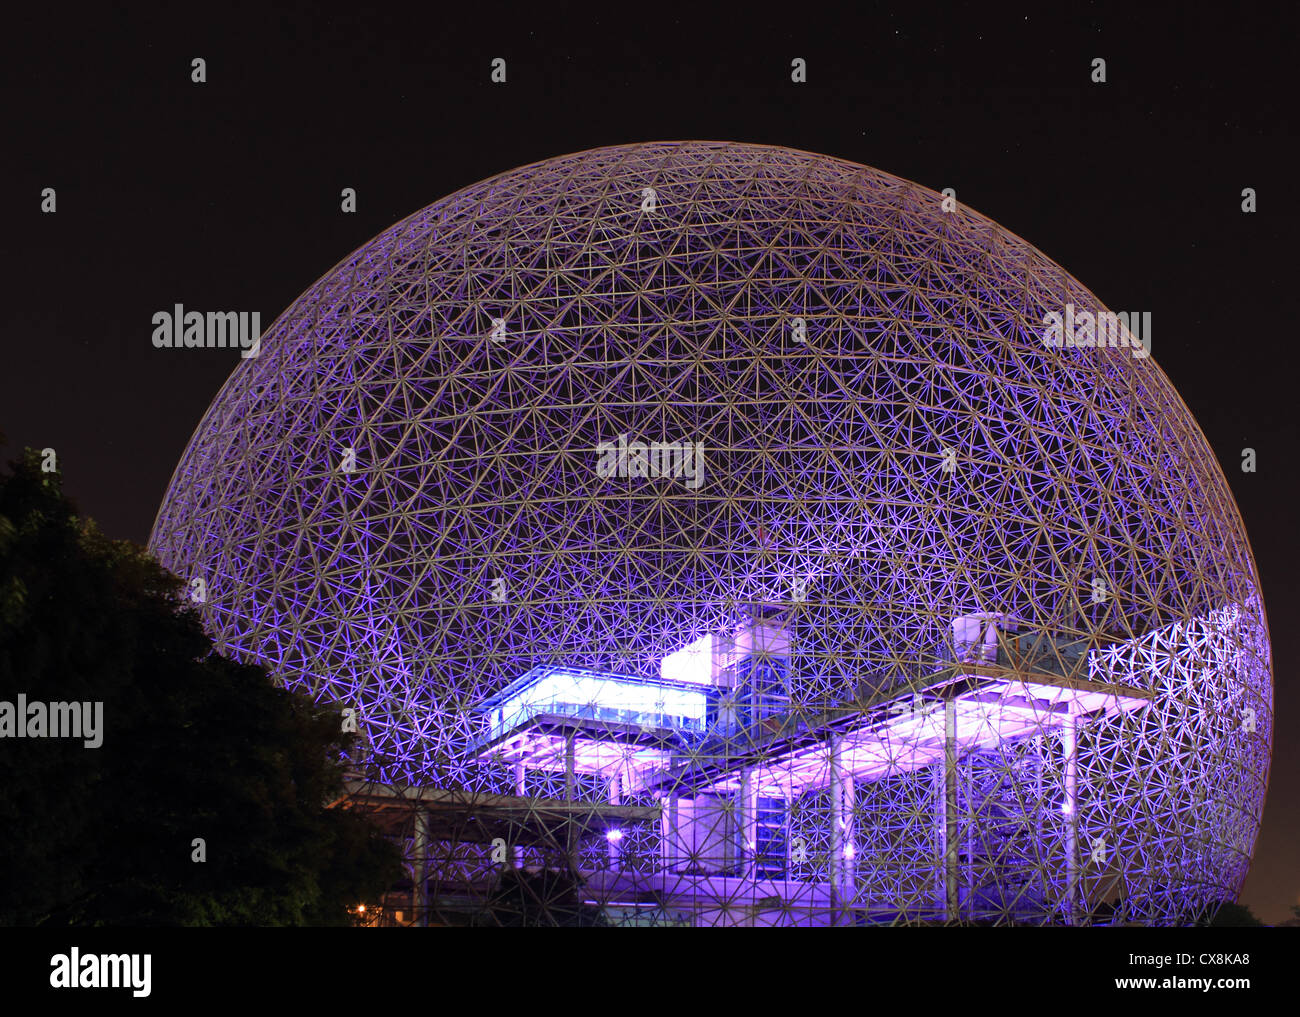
(196, 749)
(1230, 915)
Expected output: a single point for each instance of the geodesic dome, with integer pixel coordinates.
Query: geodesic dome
(720, 526)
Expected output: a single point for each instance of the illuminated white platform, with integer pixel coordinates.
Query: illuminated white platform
(991, 705)
(912, 733)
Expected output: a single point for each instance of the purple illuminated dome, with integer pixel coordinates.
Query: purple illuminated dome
(750, 537)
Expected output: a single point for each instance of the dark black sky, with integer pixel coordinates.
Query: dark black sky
(226, 194)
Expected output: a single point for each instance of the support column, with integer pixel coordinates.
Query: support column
(668, 835)
(1070, 751)
(516, 849)
(570, 765)
(570, 794)
(749, 825)
(420, 868)
(843, 868)
(615, 847)
(950, 826)
(940, 819)
(837, 828)
(848, 866)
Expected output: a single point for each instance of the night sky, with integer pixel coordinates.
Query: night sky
(226, 195)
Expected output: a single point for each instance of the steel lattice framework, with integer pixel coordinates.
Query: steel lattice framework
(985, 637)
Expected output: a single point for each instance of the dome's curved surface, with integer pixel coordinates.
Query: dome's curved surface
(426, 487)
